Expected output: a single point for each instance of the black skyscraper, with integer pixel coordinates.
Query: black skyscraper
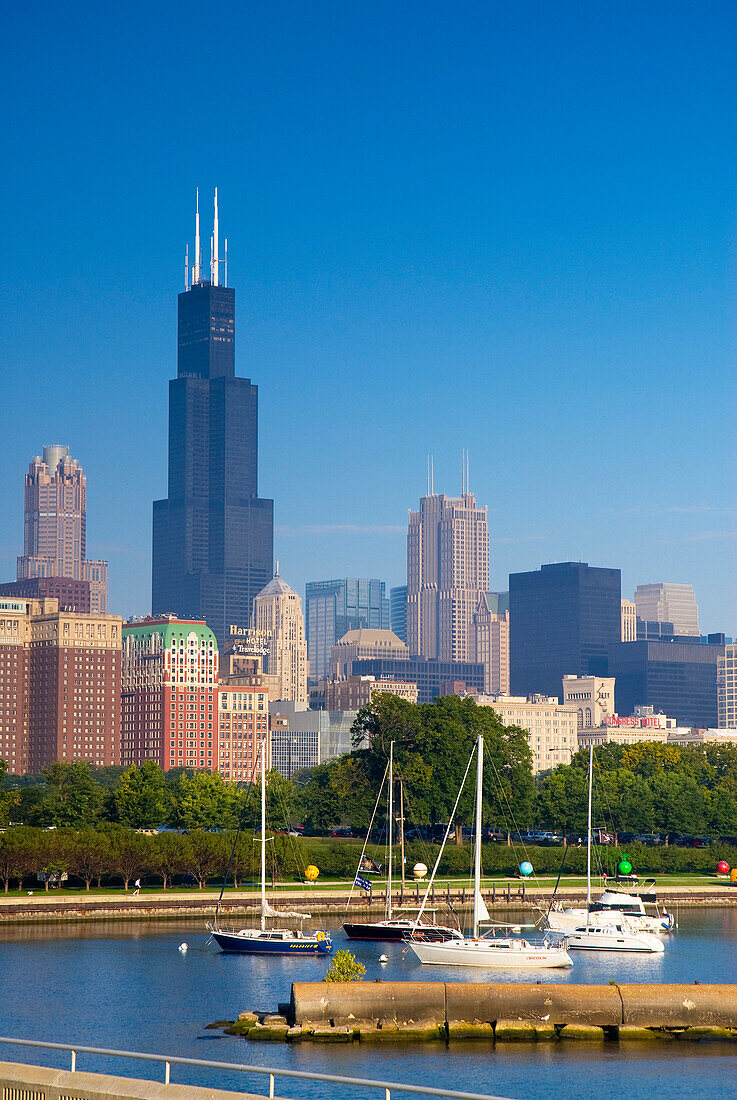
(562, 619)
(213, 536)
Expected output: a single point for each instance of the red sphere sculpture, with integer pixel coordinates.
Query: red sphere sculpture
(722, 867)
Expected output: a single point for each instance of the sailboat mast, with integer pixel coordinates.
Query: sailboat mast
(477, 849)
(263, 834)
(588, 831)
(391, 814)
(401, 835)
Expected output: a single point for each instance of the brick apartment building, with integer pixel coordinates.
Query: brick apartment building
(169, 693)
(59, 685)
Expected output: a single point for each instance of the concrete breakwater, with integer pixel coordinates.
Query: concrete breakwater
(503, 897)
(497, 1011)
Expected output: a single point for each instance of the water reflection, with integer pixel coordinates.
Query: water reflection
(125, 985)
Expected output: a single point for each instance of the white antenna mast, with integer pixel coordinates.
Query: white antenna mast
(196, 271)
(225, 282)
(186, 267)
(215, 260)
(432, 475)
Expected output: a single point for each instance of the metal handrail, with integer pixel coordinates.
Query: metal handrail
(304, 1075)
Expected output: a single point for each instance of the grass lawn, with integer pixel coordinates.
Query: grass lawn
(544, 882)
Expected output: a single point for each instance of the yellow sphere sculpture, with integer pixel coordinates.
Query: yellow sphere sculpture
(311, 872)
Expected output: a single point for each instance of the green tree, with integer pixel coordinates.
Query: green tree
(201, 800)
(17, 855)
(89, 855)
(562, 800)
(141, 797)
(344, 967)
(71, 797)
(168, 856)
(205, 856)
(130, 854)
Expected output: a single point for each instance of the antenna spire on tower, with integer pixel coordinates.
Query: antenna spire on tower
(215, 260)
(196, 271)
(186, 267)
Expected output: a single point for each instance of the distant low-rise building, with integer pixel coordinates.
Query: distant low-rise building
(303, 738)
(364, 645)
(592, 695)
(355, 692)
(433, 677)
(551, 728)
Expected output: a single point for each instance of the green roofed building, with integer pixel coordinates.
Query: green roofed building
(169, 693)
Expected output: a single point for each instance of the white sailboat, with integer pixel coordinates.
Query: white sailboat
(602, 928)
(488, 950)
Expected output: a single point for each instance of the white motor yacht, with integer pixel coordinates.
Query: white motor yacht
(614, 933)
(604, 925)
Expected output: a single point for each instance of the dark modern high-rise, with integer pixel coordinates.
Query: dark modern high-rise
(562, 619)
(213, 535)
(677, 677)
(332, 608)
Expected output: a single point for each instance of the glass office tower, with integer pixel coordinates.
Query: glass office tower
(212, 535)
(562, 619)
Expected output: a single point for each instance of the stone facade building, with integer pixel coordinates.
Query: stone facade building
(277, 614)
(592, 695)
(55, 526)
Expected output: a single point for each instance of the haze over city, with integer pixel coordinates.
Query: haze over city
(507, 230)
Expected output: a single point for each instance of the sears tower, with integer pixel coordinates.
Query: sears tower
(213, 535)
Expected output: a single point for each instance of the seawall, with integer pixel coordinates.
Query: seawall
(496, 1011)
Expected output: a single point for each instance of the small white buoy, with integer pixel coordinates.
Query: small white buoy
(30, 893)
(383, 958)
(183, 947)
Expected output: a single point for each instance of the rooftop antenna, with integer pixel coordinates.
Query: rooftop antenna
(186, 267)
(196, 271)
(225, 282)
(432, 475)
(215, 260)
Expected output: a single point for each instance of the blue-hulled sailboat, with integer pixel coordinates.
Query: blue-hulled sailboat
(268, 940)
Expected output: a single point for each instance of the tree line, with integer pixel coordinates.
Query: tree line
(641, 788)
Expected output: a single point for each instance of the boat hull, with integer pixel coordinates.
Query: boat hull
(644, 943)
(566, 920)
(395, 933)
(235, 944)
(514, 955)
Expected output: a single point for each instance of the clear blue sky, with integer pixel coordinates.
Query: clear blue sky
(506, 227)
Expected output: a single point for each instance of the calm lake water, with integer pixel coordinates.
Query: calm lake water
(128, 987)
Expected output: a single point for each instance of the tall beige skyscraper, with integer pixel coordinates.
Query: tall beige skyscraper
(55, 526)
(277, 615)
(447, 571)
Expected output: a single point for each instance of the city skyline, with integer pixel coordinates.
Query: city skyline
(398, 251)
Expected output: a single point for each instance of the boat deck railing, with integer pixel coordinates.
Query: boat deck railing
(169, 1060)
